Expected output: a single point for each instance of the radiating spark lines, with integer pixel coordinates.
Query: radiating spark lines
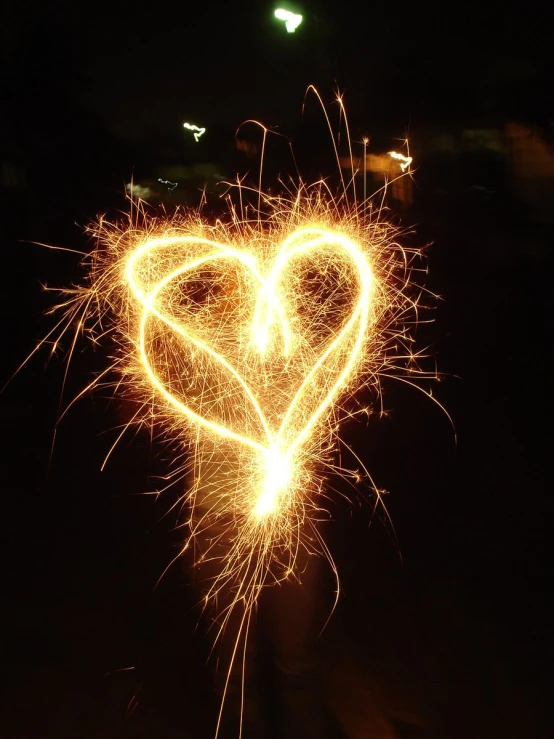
(247, 338)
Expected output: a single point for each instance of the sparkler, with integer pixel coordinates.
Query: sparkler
(278, 339)
(246, 339)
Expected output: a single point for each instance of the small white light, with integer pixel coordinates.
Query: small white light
(292, 20)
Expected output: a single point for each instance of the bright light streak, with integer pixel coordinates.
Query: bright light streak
(246, 340)
(405, 161)
(198, 131)
(273, 312)
(278, 474)
(170, 185)
(292, 20)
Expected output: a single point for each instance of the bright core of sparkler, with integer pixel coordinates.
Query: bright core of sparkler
(278, 474)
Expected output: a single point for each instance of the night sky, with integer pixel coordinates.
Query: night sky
(444, 628)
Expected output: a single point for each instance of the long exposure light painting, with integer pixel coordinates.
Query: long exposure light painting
(252, 334)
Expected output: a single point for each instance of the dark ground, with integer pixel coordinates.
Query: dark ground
(452, 642)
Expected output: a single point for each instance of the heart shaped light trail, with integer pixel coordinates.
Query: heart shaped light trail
(243, 342)
(279, 342)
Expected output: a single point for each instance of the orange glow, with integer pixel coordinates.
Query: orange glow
(253, 334)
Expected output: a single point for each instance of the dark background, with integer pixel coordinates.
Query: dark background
(450, 640)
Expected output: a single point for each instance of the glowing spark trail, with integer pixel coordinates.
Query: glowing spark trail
(315, 383)
(292, 20)
(405, 161)
(192, 127)
(245, 340)
(170, 185)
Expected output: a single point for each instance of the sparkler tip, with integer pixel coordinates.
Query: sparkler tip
(278, 474)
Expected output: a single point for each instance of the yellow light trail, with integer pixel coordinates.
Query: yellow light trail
(246, 339)
(270, 306)
(404, 161)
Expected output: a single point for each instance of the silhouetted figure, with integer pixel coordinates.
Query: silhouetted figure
(272, 676)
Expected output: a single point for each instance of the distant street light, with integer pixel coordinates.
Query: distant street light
(292, 20)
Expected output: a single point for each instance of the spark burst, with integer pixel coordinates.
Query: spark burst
(247, 339)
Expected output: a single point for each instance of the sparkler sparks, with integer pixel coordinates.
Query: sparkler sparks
(405, 161)
(246, 340)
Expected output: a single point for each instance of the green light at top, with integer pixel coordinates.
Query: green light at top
(292, 20)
